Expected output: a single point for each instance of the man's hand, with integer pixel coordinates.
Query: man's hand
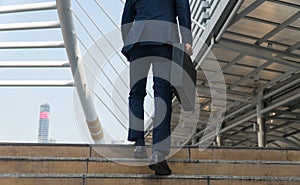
(189, 49)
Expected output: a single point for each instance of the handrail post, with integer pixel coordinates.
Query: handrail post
(261, 134)
(73, 52)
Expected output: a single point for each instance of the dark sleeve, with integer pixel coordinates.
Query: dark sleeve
(184, 17)
(127, 18)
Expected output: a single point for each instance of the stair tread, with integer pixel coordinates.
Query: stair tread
(111, 164)
(126, 151)
(173, 176)
(97, 159)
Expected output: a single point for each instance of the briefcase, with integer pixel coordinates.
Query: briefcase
(183, 77)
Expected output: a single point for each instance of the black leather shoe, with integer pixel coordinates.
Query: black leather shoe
(140, 152)
(159, 164)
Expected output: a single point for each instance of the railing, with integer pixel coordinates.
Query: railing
(73, 52)
(201, 12)
(21, 47)
(103, 62)
(207, 13)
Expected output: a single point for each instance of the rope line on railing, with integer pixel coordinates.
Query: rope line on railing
(95, 61)
(101, 32)
(116, 117)
(107, 15)
(97, 80)
(109, 42)
(117, 26)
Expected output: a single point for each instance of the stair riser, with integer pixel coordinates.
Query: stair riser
(183, 182)
(43, 167)
(202, 169)
(41, 181)
(45, 151)
(126, 152)
(114, 181)
(196, 153)
(177, 167)
(238, 154)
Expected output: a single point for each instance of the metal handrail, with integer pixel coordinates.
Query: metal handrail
(30, 25)
(73, 52)
(30, 45)
(21, 64)
(35, 83)
(111, 44)
(27, 7)
(10, 28)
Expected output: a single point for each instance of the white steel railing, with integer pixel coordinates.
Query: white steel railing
(73, 52)
(9, 30)
(27, 26)
(27, 7)
(107, 61)
(207, 13)
(69, 43)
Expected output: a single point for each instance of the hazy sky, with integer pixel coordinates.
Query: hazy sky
(19, 106)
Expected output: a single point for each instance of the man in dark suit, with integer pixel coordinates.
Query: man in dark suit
(149, 28)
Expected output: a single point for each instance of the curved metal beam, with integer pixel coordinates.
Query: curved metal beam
(73, 52)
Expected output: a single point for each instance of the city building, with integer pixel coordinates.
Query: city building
(44, 123)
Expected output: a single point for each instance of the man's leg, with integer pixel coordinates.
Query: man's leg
(136, 111)
(139, 68)
(163, 106)
(163, 101)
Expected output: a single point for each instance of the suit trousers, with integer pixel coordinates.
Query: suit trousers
(142, 57)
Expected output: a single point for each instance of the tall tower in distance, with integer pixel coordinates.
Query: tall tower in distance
(44, 123)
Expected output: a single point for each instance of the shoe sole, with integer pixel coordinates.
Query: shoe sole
(159, 169)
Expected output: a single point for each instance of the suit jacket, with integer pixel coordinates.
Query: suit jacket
(153, 22)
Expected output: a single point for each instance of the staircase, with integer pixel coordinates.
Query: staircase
(61, 164)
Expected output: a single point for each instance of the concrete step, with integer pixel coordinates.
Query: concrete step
(134, 166)
(61, 164)
(112, 179)
(125, 151)
(203, 167)
(42, 150)
(217, 153)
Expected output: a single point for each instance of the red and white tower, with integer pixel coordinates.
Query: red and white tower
(44, 123)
